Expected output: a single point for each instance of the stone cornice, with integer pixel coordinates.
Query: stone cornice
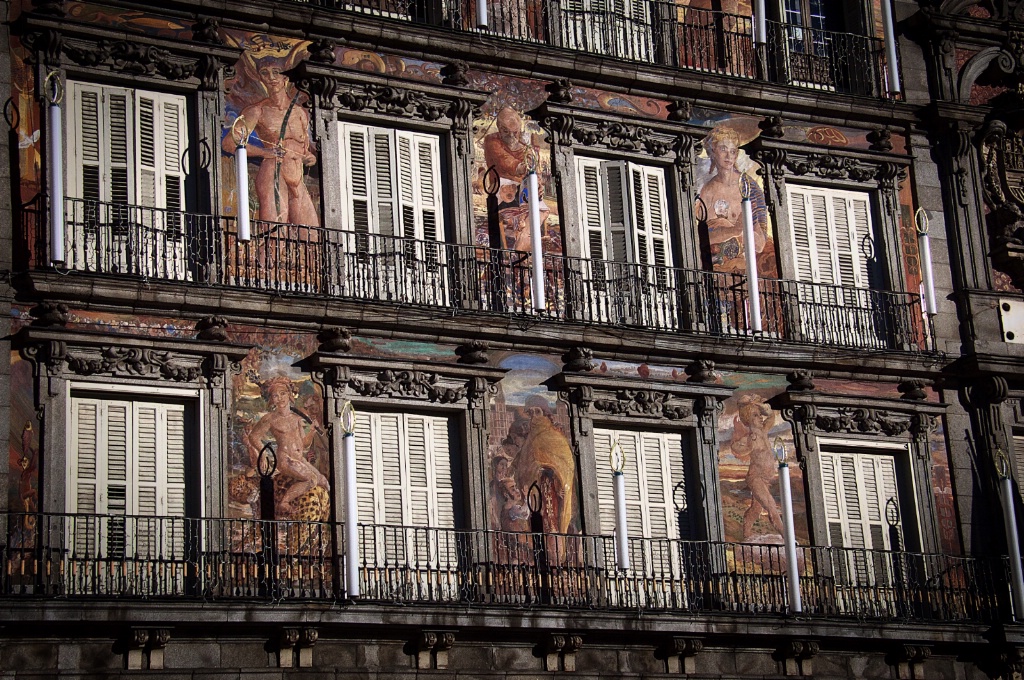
(59, 42)
(670, 141)
(366, 379)
(60, 351)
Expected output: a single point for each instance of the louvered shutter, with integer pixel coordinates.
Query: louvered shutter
(654, 480)
(367, 470)
(831, 236)
(408, 196)
(590, 196)
(356, 180)
(649, 211)
(101, 143)
(160, 143)
(617, 190)
(383, 172)
(1018, 451)
(856, 488)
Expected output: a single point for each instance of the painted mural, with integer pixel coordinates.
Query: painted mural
(267, 113)
(529, 449)
(725, 175)
(23, 455)
(278, 409)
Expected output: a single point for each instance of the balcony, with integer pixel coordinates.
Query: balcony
(202, 250)
(124, 557)
(659, 32)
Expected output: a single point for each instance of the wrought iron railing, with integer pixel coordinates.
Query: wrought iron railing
(226, 559)
(662, 32)
(124, 240)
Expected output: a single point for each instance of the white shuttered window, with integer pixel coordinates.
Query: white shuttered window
(127, 459)
(392, 182)
(623, 212)
(126, 146)
(832, 237)
(404, 470)
(856, 488)
(655, 482)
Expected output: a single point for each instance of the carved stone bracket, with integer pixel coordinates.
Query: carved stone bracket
(560, 652)
(680, 654)
(908, 659)
(295, 647)
(796, 657)
(432, 648)
(448, 105)
(813, 413)
(143, 648)
(780, 158)
(51, 40)
(606, 398)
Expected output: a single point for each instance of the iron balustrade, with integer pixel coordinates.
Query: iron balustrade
(126, 240)
(99, 556)
(662, 32)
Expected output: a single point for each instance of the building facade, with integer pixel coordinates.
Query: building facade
(511, 279)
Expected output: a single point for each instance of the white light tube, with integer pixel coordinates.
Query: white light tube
(481, 14)
(891, 63)
(753, 285)
(348, 444)
(621, 528)
(56, 182)
(760, 23)
(537, 245)
(792, 568)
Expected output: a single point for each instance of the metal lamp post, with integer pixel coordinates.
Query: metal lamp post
(1002, 462)
(617, 460)
(786, 491)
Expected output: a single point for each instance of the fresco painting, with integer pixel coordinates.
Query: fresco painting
(265, 108)
(529, 447)
(278, 406)
(23, 455)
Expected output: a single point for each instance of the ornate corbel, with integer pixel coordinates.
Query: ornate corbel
(907, 659)
(680, 654)
(320, 89)
(680, 110)
(801, 418)
(702, 371)
(462, 113)
(796, 656)
(206, 30)
(579, 359)
(473, 352)
(560, 91)
(454, 73)
(212, 329)
(158, 640)
(45, 46)
(321, 50)
(708, 408)
(560, 652)
(432, 649)
(50, 314)
(335, 339)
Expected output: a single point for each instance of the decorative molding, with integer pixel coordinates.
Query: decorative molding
(560, 91)
(800, 380)
(702, 371)
(57, 352)
(49, 314)
(346, 377)
(454, 73)
(771, 126)
(200, 61)
(335, 339)
(646, 403)
(212, 329)
(813, 413)
(321, 50)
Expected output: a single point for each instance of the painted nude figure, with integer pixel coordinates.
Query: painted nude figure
(753, 422)
(289, 431)
(281, 124)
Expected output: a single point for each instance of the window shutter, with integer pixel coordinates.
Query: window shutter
(367, 469)
(821, 240)
(170, 141)
(856, 488)
(383, 173)
(147, 482)
(650, 211)
(148, 149)
(830, 483)
(831, 236)
(355, 159)
(590, 190)
(408, 199)
(429, 181)
(440, 473)
(391, 504)
(1018, 451)
(100, 143)
(803, 251)
(618, 191)
(863, 246)
(654, 480)
(119, 175)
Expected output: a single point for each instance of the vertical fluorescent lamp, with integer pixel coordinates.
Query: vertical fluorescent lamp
(925, 248)
(1002, 462)
(533, 197)
(753, 285)
(760, 23)
(55, 165)
(617, 459)
(481, 14)
(241, 134)
(892, 66)
(348, 450)
(792, 568)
